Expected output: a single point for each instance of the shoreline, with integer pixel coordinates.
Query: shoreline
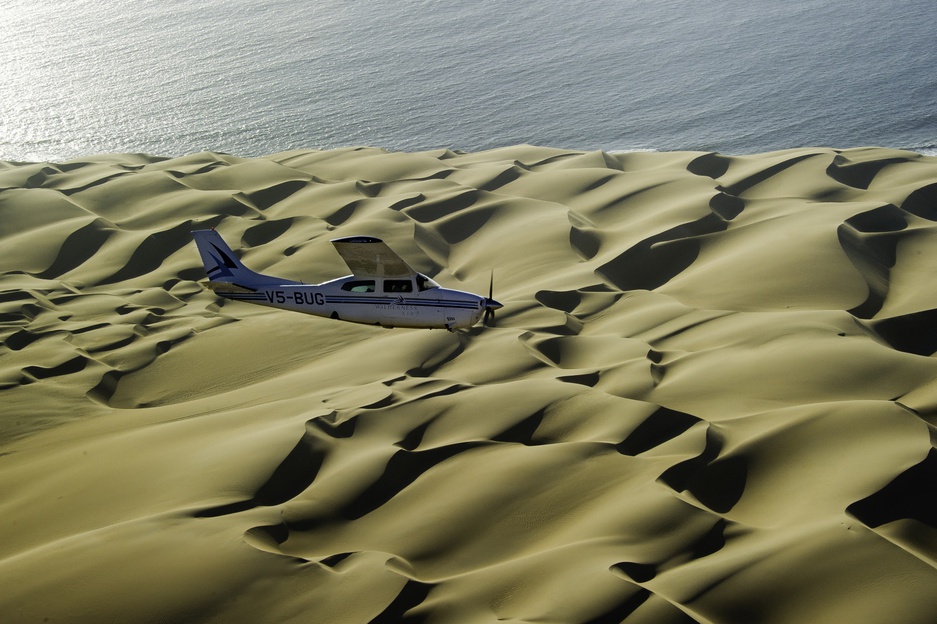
(928, 150)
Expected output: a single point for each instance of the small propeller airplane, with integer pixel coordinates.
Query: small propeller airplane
(382, 289)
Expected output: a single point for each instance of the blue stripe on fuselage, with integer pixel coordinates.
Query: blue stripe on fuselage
(425, 303)
(422, 303)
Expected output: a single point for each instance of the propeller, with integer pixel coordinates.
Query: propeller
(490, 304)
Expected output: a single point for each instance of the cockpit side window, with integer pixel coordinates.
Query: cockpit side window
(359, 286)
(397, 286)
(425, 283)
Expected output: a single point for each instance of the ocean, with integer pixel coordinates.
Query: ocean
(170, 77)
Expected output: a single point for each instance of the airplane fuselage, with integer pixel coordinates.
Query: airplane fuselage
(388, 302)
(382, 289)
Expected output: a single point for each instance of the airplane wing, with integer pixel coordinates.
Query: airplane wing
(367, 256)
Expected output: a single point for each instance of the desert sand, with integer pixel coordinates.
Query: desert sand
(710, 397)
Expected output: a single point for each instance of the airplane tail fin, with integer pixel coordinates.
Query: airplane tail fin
(223, 267)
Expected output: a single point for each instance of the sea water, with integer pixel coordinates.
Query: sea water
(171, 77)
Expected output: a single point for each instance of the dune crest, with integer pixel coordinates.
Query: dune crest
(710, 395)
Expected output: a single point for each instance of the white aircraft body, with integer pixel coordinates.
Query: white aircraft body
(382, 290)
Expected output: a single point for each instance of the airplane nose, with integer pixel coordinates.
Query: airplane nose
(490, 306)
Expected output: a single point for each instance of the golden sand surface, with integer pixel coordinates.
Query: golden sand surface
(710, 396)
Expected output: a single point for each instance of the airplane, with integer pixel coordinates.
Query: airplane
(382, 289)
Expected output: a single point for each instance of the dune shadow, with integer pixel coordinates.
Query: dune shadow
(623, 609)
(914, 333)
(716, 483)
(152, 252)
(21, 338)
(72, 365)
(708, 543)
(292, 476)
(858, 174)
(656, 260)
(909, 495)
(434, 209)
(584, 242)
(412, 595)
(507, 176)
(662, 426)
(922, 202)
(870, 240)
(712, 165)
(523, 431)
(266, 231)
(79, 247)
(266, 197)
(565, 301)
(403, 468)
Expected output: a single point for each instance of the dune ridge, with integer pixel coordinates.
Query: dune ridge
(710, 397)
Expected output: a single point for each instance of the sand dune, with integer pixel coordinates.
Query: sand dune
(710, 396)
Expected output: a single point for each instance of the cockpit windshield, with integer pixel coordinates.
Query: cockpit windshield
(425, 283)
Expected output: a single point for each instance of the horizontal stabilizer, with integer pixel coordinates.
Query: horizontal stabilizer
(227, 287)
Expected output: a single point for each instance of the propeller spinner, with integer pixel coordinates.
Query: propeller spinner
(490, 304)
